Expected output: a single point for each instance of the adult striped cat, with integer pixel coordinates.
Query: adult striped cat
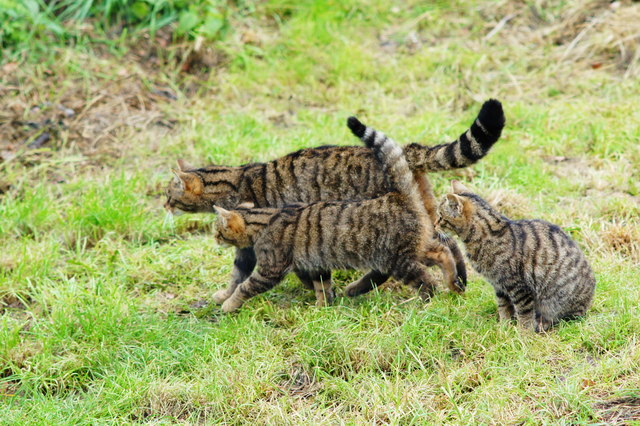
(539, 274)
(392, 233)
(328, 173)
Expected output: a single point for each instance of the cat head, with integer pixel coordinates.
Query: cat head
(187, 192)
(457, 208)
(231, 229)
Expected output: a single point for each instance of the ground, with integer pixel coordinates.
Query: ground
(105, 313)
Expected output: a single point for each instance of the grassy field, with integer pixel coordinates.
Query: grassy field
(104, 301)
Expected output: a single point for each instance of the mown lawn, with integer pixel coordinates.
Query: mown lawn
(104, 313)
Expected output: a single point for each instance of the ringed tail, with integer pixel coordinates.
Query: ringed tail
(470, 147)
(391, 155)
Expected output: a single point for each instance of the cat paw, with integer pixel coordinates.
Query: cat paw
(220, 296)
(505, 315)
(460, 285)
(542, 325)
(353, 289)
(330, 296)
(325, 298)
(425, 294)
(231, 305)
(527, 326)
(349, 291)
(321, 303)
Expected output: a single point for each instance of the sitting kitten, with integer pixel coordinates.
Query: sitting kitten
(392, 233)
(537, 271)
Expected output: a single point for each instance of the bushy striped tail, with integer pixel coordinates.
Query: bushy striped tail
(390, 154)
(470, 147)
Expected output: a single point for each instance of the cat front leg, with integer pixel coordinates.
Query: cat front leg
(320, 282)
(305, 278)
(243, 265)
(260, 281)
(322, 287)
(506, 310)
(523, 301)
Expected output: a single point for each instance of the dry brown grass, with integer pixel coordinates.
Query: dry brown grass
(509, 203)
(40, 112)
(622, 238)
(172, 402)
(298, 383)
(593, 34)
(620, 411)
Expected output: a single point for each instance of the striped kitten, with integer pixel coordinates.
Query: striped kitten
(328, 173)
(538, 273)
(392, 233)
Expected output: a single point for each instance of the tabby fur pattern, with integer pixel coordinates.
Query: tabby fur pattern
(328, 173)
(539, 274)
(392, 233)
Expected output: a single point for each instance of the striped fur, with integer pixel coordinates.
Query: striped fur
(324, 173)
(470, 147)
(327, 173)
(539, 274)
(392, 234)
(389, 153)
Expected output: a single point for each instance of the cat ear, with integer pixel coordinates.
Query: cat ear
(458, 188)
(177, 179)
(183, 165)
(454, 205)
(189, 181)
(230, 219)
(223, 214)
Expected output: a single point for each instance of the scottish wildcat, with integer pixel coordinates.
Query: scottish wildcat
(539, 274)
(392, 233)
(328, 173)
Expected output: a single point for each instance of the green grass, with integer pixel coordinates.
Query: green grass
(100, 313)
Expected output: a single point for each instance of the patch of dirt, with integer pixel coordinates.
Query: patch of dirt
(39, 115)
(91, 110)
(597, 176)
(197, 58)
(13, 302)
(8, 389)
(297, 382)
(619, 411)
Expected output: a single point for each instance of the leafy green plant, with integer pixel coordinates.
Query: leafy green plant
(63, 20)
(22, 21)
(201, 17)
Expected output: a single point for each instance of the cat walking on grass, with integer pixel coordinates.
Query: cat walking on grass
(392, 233)
(328, 173)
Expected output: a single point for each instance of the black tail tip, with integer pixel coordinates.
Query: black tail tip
(492, 116)
(357, 128)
